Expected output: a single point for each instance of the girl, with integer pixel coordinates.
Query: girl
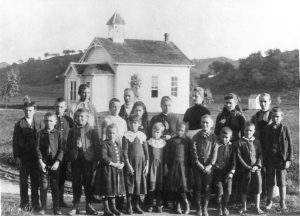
(139, 108)
(109, 177)
(262, 119)
(113, 117)
(193, 114)
(136, 163)
(156, 169)
(176, 156)
(231, 116)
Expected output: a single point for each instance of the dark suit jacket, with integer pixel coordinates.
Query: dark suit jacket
(170, 122)
(24, 138)
(91, 147)
(285, 143)
(55, 139)
(64, 124)
(244, 154)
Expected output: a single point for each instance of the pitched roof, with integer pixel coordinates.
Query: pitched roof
(116, 19)
(88, 69)
(144, 52)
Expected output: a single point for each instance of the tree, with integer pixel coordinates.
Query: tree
(30, 60)
(46, 55)
(135, 83)
(68, 52)
(10, 84)
(219, 67)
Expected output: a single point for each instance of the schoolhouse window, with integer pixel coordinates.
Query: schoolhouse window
(73, 91)
(154, 88)
(174, 86)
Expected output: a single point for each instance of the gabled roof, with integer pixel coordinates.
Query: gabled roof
(144, 52)
(92, 69)
(116, 19)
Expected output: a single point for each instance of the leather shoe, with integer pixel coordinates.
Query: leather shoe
(73, 211)
(90, 210)
(57, 212)
(42, 212)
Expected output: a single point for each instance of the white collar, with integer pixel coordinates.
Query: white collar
(29, 121)
(250, 139)
(157, 143)
(131, 136)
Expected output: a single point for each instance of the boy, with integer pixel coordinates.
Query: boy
(24, 141)
(204, 155)
(224, 169)
(278, 157)
(82, 150)
(64, 124)
(49, 150)
(261, 119)
(84, 93)
(168, 119)
(249, 155)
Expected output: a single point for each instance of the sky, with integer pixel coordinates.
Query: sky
(200, 28)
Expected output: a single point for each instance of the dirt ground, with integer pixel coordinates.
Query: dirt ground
(10, 200)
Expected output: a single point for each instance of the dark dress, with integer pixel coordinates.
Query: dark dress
(234, 119)
(177, 160)
(143, 127)
(109, 181)
(156, 168)
(193, 116)
(135, 152)
(170, 121)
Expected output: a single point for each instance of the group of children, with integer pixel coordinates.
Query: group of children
(163, 159)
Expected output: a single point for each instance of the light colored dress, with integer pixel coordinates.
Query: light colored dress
(119, 121)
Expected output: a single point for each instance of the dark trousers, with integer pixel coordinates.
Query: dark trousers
(53, 176)
(280, 174)
(62, 178)
(236, 186)
(223, 184)
(82, 173)
(255, 179)
(29, 169)
(203, 182)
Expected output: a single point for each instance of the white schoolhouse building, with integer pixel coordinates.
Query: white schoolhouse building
(108, 65)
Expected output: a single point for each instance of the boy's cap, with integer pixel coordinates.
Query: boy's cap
(135, 118)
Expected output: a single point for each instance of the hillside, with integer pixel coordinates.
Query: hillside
(274, 71)
(42, 80)
(3, 65)
(201, 67)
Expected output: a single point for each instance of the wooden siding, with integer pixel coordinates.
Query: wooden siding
(164, 74)
(97, 55)
(103, 86)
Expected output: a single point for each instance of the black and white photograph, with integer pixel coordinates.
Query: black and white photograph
(154, 107)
